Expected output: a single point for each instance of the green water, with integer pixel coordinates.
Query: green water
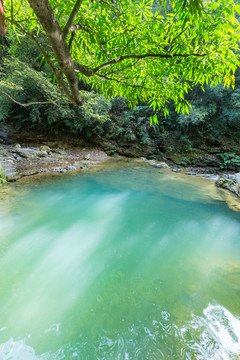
(128, 262)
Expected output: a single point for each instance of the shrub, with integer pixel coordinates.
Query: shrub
(28, 85)
(229, 159)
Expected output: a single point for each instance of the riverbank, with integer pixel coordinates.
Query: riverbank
(30, 153)
(20, 161)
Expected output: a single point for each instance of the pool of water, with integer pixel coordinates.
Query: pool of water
(125, 262)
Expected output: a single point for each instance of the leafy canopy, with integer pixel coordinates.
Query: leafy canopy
(133, 48)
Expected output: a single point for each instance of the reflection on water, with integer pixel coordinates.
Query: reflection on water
(214, 336)
(126, 263)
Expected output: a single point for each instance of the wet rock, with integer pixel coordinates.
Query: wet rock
(230, 182)
(176, 170)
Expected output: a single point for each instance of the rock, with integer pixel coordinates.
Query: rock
(176, 170)
(190, 173)
(59, 151)
(70, 167)
(212, 177)
(28, 153)
(45, 148)
(59, 170)
(230, 182)
(44, 153)
(87, 157)
(161, 164)
(17, 146)
(84, 166)
(17, 157)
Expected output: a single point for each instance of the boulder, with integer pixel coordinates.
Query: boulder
(28, 153)
(230, 182)
(45, 148)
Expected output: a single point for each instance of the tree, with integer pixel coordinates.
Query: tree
(123, 47)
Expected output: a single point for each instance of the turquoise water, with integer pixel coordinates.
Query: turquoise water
(126, 262)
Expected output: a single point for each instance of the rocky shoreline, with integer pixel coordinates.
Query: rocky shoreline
(18, 161)
(30, 153)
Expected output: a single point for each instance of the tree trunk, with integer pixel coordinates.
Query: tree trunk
(56, 37)
(2, 20)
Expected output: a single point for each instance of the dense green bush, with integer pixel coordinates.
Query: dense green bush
(28, 85)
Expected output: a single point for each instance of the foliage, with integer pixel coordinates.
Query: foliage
(2, 176)
(58, 114)
(125, 48)
(229, 159)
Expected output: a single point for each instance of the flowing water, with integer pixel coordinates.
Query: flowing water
(127, 262)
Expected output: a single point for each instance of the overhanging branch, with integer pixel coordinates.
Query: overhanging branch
(72, 17)
(28, 104)
(143, 56)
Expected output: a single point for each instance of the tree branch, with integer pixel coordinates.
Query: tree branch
(126, 83)
(143, 56)
(72, 17)
(28, 104)
(113, 37)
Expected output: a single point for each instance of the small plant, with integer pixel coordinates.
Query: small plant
(3, 178)
(229, 159)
